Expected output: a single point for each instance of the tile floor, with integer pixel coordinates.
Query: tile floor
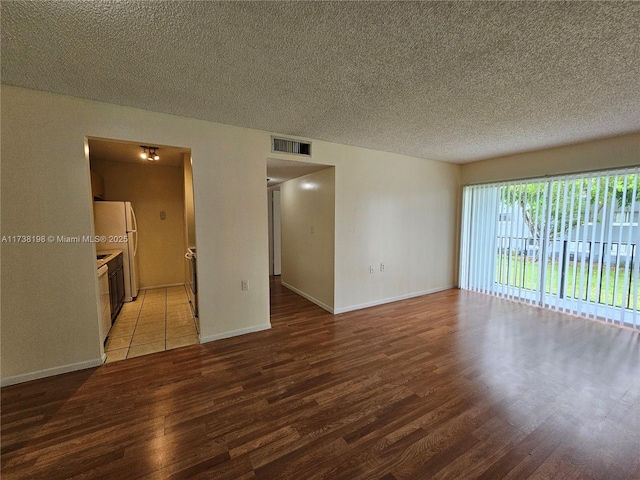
(160, 319)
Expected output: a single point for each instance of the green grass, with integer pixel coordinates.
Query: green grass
(524, 272)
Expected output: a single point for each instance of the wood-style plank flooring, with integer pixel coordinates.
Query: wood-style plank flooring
(450, 385)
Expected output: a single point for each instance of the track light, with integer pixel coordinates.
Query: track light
(149, 153)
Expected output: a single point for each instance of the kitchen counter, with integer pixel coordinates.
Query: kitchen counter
(111, 254)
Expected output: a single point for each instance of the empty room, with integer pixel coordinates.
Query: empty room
(342, 240)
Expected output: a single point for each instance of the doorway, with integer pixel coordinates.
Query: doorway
(301, 205)
(160, 193)
(275, 232)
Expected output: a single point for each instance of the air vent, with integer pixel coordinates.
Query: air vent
(284, 145)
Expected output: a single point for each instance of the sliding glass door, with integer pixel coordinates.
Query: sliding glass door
(569, 243)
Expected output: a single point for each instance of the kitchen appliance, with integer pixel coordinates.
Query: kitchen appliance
(192, 280)
(117, 229)
(105, 304)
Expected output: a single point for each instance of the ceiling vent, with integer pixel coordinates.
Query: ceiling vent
(284, 145)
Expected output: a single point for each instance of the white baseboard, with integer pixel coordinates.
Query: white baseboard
(235, 333)
(392, 299)
(49, 372)
(308, 297)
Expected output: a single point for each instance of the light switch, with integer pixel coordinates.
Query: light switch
(163, 215)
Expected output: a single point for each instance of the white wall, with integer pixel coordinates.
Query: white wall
(622, 151)
(388, 208)
(307, 207)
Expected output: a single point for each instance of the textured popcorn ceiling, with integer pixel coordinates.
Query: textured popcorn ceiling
(454, 82)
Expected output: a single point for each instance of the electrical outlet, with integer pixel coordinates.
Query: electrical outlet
(382, 267)
(371, 270)
(245, 284)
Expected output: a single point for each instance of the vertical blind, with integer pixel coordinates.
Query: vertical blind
(570, 243)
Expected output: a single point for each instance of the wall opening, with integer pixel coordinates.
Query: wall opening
(150, 239)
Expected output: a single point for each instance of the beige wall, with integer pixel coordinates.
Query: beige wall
(622, 151)
(392, 209)
(270, 228)
(307, 206)
(189, 212)
(388, 208)
(396, 210)
(50, 291)
(151, 189)
(49, 308)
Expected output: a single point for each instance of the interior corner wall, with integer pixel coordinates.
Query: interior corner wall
(151, 189)
(396, 225)
(307, 208)
(603, 154)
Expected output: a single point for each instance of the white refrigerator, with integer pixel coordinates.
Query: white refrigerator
(116, 223)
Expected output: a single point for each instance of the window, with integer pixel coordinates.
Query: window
(570, 249)
(625, 218)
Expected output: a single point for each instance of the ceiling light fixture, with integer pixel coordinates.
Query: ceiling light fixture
(151, 154)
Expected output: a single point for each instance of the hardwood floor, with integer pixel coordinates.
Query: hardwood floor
(451, 385)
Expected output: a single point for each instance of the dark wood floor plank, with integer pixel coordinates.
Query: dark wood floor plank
(496, 438)
(452, 385)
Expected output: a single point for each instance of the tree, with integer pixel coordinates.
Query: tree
(572, 203)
